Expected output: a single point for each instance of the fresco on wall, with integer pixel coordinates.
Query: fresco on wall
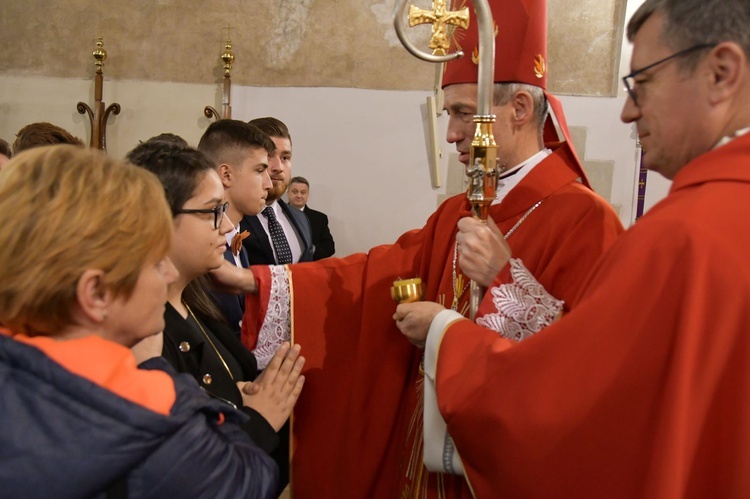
(308, 43)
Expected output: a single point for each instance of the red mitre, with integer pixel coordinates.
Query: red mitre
(520, 55)
(520, 44)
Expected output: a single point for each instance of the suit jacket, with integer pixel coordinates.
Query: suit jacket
(196, 359)
(321, 235)
(232, 306)
(258, 245)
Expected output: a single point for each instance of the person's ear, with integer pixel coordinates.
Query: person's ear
(225, 174)
(727, 66)
(523, 107)
(92, 296)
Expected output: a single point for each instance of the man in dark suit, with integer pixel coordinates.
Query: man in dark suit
(279, 234)
(239, 152)
(298, 192)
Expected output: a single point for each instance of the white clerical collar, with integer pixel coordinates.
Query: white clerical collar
(512, 177)
(731, 137)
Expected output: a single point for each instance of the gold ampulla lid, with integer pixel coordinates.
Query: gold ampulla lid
(407, 290)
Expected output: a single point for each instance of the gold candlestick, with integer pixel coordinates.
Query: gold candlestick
(99, 115)
(227, 58)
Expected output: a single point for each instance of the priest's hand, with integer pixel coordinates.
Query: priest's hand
(274, 393)
(414, 319)
(232, 279)
(482, 250)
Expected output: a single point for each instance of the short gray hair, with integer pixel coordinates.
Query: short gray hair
(695, 22)
(504, 92)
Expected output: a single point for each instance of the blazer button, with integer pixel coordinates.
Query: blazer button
(184, 347)
(207, 379)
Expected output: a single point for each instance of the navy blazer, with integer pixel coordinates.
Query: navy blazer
(195, 359)
(321, 234)
(232, 306)
(258, 245)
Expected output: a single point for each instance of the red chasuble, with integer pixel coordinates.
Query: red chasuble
(643, 389)
(357, 427)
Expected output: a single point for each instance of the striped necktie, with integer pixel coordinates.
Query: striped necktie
(280, 244)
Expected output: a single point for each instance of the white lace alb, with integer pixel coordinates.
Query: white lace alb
(523, 306)
(276, 326)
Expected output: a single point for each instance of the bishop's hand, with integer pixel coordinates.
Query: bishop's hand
(232, 279)
(482, 250)
(414, 319)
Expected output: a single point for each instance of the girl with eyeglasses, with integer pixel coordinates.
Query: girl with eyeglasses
(196, 339)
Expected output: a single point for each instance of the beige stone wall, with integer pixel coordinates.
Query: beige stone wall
(375, 137)
(583, 47)
(277, 43)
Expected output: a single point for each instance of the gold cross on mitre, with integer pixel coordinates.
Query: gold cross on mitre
(439, 17)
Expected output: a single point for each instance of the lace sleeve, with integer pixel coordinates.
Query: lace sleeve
(276, 324)
(522, 307)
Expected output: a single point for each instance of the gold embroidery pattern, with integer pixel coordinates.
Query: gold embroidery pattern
(416, 473)
(540, 66)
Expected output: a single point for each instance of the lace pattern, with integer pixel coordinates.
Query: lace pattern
(523, 306)
(276, 326)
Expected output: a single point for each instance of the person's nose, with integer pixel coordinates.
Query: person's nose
(267, 184)
(169, 271)
(455, 132)
(630, 111)
(274, 165)
(226, 225)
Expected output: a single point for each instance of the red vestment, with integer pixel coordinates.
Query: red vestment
(351, 424)
(642, 390)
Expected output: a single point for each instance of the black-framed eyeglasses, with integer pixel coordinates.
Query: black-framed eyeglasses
(218, 212)
(629, 80)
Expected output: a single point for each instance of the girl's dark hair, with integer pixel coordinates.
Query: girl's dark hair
(179, 169)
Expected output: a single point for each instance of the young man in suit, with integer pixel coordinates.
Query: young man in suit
(298, 192)
(279, 234)
(239, 152)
